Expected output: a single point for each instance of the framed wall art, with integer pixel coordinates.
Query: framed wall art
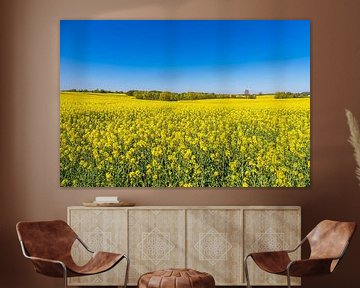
(184, 103)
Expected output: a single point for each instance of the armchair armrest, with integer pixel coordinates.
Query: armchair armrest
(280, 252)
(314, 266)
(83, 244)
(298, 246)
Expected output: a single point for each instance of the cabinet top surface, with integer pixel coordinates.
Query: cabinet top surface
(192, 207)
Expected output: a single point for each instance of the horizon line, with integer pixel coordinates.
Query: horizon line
(193, 91)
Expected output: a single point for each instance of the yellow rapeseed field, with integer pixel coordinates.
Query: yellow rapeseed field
(114, 140)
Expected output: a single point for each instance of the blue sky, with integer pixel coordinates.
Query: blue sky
(220, 56)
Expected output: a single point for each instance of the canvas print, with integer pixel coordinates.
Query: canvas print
(185, 103)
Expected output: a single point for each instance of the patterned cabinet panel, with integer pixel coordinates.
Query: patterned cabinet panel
(156, 240)
(267, 230)
(101, 230)
(214, 244)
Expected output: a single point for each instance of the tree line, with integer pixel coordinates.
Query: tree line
(173, 96)
(97, 90)
(288, 95)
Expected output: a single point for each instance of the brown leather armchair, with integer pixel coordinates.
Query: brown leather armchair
(48, 245)
(328, 242)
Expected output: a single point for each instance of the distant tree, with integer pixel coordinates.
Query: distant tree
(251, 96)
(139, 96)
(246, 92)
(131, 92)
(167, 96)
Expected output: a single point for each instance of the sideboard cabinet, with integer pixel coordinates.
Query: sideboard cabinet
(212, 239)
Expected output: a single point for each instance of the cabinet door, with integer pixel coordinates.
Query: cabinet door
(270, 230)
(214, 244)
(100, 230)
(156, 240)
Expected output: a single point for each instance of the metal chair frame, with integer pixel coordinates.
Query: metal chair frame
(26, 255)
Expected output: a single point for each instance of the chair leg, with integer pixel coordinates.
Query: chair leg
(246, 270)
(288, 278)
(65, 276)
(127, 271)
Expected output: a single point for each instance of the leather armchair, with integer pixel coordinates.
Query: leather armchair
(328, 243)
(48, 245)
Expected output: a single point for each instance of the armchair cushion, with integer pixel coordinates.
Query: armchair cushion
(310, 267)
(272, 262)
(99, 262)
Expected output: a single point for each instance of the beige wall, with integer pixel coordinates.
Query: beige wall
(29, 118)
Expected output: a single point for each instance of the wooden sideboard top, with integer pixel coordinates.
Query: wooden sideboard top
(193, 207)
